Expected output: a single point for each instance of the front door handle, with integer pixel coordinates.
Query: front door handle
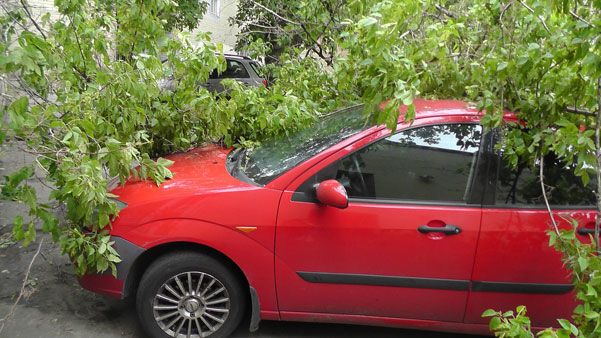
(447, 229)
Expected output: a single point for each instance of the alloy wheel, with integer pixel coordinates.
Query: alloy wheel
(191, 304)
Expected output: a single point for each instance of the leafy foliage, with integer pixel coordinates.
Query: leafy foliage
(108, 87)
(310, 27)
(186, 15)
(99, 96)
(510, 324)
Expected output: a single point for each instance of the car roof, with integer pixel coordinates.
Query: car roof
(425, 108)
(237, 57)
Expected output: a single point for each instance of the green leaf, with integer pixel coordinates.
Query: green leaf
(489, 313)
(368, 21)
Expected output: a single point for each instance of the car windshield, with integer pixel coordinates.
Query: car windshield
(272, 158)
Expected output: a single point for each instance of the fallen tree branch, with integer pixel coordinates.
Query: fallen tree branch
(579, 18)
(445, 11)
(275, 14)
(13, 307)
(580, 111)
(544, 191)
(598, 155)
(540, 18)
(35, 23)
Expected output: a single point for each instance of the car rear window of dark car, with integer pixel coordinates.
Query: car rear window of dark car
(234, 70)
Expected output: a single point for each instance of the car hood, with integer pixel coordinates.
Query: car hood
(198, 171)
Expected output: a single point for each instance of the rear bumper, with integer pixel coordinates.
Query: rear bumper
(107, 284)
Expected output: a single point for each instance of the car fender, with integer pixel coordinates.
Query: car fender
(254, 260)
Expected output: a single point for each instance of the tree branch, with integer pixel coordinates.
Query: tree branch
(24, 5)
(544, 191)
(445, 11)
(579, 18)
(275, 14)
(11, 312)
(598, 153)
(540, 18)
(249, 23)
(580, 111)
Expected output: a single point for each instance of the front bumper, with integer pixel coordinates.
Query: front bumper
(107, 284)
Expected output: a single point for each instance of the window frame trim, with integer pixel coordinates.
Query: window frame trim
(217, 13)
(471, 202)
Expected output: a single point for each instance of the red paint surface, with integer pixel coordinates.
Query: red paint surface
(104, 284)
(332, 193)
(203, 204)
(514, 247)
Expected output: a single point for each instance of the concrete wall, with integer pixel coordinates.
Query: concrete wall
(219, 25)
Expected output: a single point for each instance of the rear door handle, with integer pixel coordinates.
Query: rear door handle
(585, 231)
(447, 229)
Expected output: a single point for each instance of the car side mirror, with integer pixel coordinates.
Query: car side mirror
(332, 193)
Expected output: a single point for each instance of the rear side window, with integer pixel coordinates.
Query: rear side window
(434, 163)
(256, 67)
(234, 70)
(521, 185)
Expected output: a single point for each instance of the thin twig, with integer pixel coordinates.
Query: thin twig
(505, 8)
(598, 154)
(445, 11)
(540, 18)
(577, 17)
(544, 191)
(275, 14)
(242, 23)
(580, 111)
(35, 23)
(13, 307)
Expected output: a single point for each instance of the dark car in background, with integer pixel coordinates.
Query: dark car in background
(240, 68)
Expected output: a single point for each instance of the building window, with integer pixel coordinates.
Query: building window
(213, 7)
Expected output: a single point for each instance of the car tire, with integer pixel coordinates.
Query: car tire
(196, 288)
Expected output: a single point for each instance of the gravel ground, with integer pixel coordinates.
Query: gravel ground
(54, 305)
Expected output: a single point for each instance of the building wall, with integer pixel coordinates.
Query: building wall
(218, 25)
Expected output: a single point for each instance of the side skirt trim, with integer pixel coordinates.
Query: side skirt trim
(537, 288)
(379, 280)
(433, 283)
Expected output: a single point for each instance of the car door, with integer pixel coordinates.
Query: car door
(514, 263)
(371, 258)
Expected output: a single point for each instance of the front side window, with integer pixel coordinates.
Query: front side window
(435, 163)
(521, 185)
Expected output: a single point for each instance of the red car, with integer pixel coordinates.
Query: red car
(345, 222)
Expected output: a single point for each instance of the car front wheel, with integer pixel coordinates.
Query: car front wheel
(187, 294)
